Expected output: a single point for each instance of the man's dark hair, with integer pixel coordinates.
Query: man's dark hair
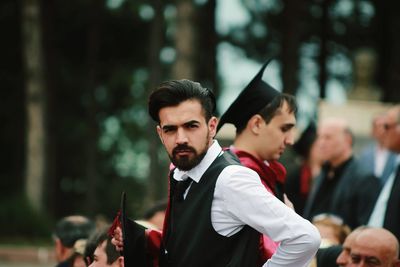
(72, 228)
(172, 93)
(96, 240)
(272, 109)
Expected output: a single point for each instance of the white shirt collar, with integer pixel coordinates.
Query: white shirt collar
(195, 174)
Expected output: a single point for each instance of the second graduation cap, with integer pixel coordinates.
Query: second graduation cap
(255, 96)
(306, 139)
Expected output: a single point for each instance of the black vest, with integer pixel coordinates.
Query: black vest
(191, 240)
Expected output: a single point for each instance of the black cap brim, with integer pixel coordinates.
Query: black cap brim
(134, 239)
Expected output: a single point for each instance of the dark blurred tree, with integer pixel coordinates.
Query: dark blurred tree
(185, 38)
(208, 39)
(93, 52)
(36, 134)
(101, 59)
(158, 170)
(281, 29)
(386, 28)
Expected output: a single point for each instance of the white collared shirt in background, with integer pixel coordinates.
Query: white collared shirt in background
(378, 213)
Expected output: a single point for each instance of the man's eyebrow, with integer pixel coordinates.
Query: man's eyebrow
(168, 127)
(372, 258)
(188, 123)
(289, 124)
(191, 122)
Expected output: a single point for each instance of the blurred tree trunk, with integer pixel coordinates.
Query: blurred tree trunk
(35, 104)
(323, 48)
(158, 174)
(387, 26)
(93, 41)
(207, 36)
(185, 41)
(52, 118)
(292, 15)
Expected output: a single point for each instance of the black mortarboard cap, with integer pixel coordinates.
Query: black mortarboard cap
(306, 139)
(134, 239)
(255, 96)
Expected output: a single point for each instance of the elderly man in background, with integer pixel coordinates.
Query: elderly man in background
(386, 212)
(375, 247)
(341, 188)
(376, 158)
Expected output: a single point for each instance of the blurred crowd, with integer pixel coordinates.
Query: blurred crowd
(352, 199)
(345, 193)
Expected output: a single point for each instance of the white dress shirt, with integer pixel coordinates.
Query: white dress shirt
(378, 213)
(241, 199)
(381, 157)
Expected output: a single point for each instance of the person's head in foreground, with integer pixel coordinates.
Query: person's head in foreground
(344, 257)
(264, 119)
(375, 247)
(186, 125)
(69, 233)
(105, 253)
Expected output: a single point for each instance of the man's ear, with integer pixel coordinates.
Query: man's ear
(61, 250)
(159, 132)
(254, 123)
(120, 261)
(212, 126)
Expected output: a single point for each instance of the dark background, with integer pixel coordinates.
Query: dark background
(88, 66)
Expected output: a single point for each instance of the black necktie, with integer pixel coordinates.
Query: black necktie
(180, 189)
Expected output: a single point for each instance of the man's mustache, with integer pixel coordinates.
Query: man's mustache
(183, 148)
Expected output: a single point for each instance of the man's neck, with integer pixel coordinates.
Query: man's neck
(245, 144)
(246, 149)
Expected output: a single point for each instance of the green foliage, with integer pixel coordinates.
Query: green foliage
(19, 221)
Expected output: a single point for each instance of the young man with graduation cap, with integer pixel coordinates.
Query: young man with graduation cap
(217, 219)
(264, 119)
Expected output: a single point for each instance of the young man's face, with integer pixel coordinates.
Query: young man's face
(100, 256)
(185, 133)
(277, 134)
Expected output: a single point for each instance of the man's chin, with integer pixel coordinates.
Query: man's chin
(185, 167)
(184, 164)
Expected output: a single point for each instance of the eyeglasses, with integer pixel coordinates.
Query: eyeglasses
(388, 126)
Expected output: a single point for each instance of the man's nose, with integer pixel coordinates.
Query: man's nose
(181, 136)
(289, 140)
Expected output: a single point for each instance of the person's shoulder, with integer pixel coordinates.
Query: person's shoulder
(239, 169)
(234, 174)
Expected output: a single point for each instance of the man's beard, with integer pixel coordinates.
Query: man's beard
(188, 162)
